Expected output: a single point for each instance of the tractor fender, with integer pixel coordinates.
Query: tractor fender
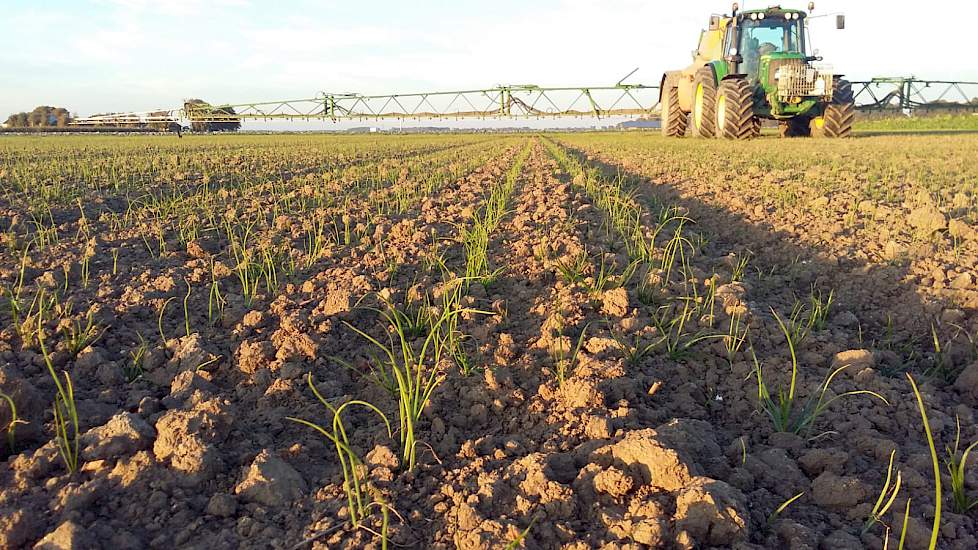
(669, 80)
(686, 85)
(733, 76)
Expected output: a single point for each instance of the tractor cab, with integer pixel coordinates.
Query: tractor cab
(758, 37)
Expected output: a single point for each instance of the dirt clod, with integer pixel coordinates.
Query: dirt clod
(188, 441)
(967, 382)
(124, 433)
(651, 462)
(270, 481)
(712, 512)
(222, 505)
(68, 536)
(834, 491)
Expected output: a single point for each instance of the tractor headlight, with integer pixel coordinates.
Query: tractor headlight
(796, 16)
(760, 16)
(777, 74)
(787, 16)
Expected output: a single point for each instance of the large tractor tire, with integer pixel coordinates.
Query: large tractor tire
(840, 113)
(674, 120)
(795, 127)
(735, 110)
(704, 103)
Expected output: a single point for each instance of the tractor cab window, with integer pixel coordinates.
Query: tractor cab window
(766, 36)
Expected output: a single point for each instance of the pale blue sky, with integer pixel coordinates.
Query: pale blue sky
(112, 55)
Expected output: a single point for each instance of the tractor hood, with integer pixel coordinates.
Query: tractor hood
(791, 84)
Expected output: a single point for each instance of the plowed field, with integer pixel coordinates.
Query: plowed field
(488, 341)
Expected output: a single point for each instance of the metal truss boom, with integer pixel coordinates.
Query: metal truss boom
(520, 101)
(911, 94)
(516, 101)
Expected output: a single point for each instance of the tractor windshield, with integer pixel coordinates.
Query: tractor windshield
(760, 37)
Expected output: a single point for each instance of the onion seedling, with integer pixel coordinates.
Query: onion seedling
(786, 411)
(355, 479)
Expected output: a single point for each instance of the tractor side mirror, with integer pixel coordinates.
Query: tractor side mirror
(840, 22)
(734, 57)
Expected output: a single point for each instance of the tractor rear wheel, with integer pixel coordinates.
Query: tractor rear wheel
(704, 103)
(795, 127)
(840, 113)
(735, 110)
(673, 118)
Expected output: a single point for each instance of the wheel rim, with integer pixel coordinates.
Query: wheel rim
(721, 113)
(698, 106)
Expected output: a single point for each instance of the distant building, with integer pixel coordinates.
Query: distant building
(641, 124)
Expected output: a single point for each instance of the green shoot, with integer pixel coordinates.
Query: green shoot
(78, 335)
(942, 363)
(415, 371)
(780, 509)
(186, 309)
(354, 476)
(887, 495)
(634, 350)
(739, 268)
(935, 529)
(134, 369)
(819, 309)
(785, 411)
(678, 342)
(906, 520)
(737, 334)
(12, 425)
(573, 268)
(605, 278)
(518, 541)
(65, 413)
(566, 360)
(956, 466)
(456, 345)
(159, 318)
(416, 319)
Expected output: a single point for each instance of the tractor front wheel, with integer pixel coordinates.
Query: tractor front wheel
(735, 110)
(673, 118)
(704, 103)
(839, 114)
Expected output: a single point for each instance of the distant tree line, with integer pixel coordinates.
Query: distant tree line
(41, 117)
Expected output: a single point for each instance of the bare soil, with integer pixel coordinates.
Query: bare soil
(185, 439)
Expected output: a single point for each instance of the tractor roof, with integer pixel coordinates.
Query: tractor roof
(773, 9)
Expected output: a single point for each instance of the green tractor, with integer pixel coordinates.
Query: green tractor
(754, 65)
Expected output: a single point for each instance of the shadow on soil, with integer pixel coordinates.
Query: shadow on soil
(892, 316)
